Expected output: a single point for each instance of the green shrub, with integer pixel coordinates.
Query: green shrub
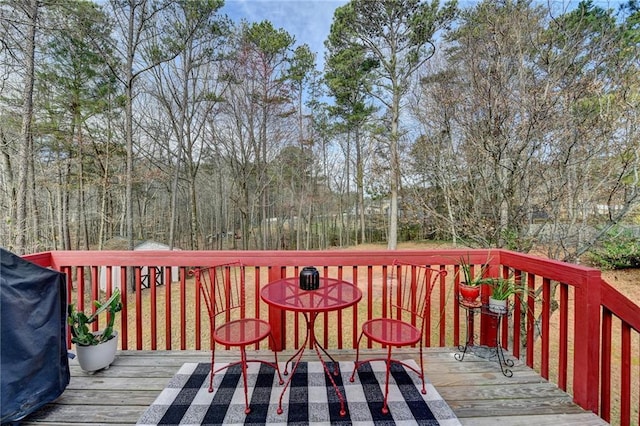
(620, 250)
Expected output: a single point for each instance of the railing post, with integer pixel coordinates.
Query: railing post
(277, 316)
(488, 323)
(586, 371)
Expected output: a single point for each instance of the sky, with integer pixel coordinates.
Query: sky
(309, 21)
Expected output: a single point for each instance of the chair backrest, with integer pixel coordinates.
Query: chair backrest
(409, 292)
(222, 288)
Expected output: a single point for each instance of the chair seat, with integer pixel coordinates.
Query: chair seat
(391, 331)
(242, 332)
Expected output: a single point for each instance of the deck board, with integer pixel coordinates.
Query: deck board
(475, 389)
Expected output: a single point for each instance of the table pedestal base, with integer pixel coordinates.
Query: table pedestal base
(483, 351)
(311, 338)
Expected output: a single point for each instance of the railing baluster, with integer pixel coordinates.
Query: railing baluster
(442, 312)
(625, 376)
(531, 317)
(546, 316)
(456, 310)
(354, 320)
(370, 295)
(198, 309)
(138, 286)
(564, 336)
(605, 374)
(183, 307)
(338, 326)
(167, 307)
(151, 271)
(256, 290)
(124, 313)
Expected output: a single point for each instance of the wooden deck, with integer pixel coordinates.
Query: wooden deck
(475, 389)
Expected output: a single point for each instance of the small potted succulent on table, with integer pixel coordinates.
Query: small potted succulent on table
(95, 349)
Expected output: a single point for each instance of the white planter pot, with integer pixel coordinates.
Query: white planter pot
(97, 357)
(497, 306)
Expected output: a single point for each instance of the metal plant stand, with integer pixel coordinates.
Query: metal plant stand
(486, 352)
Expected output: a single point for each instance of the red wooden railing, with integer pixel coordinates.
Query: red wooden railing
(577, 330)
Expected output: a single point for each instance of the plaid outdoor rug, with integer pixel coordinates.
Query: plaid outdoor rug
(310, 398)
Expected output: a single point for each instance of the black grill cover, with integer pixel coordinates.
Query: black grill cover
(34, 368)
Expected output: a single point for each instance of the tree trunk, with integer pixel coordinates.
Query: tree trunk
(395, 173)
(25, 150)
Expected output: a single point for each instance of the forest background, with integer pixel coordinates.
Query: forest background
(501, 124)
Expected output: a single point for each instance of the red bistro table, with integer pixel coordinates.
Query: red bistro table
(332, 295)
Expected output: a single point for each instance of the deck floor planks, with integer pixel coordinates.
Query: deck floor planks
(475, 389)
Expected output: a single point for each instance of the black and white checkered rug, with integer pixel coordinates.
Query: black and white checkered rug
(310, 398)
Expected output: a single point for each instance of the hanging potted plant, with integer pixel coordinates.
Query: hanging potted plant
(95, 349)
(470, 285)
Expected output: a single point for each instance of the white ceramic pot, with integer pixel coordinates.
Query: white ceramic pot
(497, 306)
(97, 357)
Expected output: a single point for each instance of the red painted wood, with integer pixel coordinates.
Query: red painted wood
(109, 287)
(517, 315)
(563, 337)
(124, 314)
(183, 308)
(517, 327)
(339, 321)
(531, 317)
(488, 329)
(138, 285)
(325, 319)
(277, 317)
(151, 270)
(44, 259)
(198, 314)
(442, 312)
(591, 295)
(95, 294)
(370, 295)
(456, 311)
(167, 308)
(623, 307)
(586, 372)
(69, 290)
(605, 379)
(625, 377)
(80, 287)
(256, 290)
(546, 318)
(354, 317)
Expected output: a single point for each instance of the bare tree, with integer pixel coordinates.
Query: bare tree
(535, 137)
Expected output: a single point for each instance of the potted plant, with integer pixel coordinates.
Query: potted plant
(501, 290)
(95, 349)
(470, 285)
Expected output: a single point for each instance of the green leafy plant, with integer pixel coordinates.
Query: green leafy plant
(79, 321)
(503, 288)
(469, 278)
(620, 250)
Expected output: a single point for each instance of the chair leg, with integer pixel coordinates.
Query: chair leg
(355, 363)
(213, 351)
(424, 389)
(275, 356)
(385, 409)
(243, 355)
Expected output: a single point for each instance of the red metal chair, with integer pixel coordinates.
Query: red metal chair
(223, 290)
(406, 300)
